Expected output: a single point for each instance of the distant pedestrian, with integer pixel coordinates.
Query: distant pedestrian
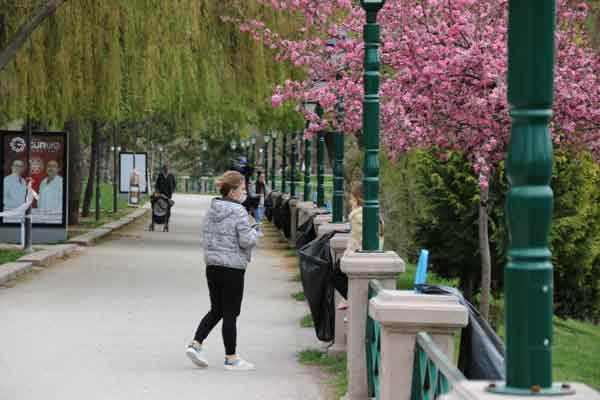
(262, 191)
(228, 240)
(165, 187)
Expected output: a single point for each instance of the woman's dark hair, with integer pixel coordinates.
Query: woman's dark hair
(231, 180)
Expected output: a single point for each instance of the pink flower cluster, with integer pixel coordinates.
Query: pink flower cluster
(443, 82)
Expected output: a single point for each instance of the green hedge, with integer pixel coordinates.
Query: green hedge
(432, 204)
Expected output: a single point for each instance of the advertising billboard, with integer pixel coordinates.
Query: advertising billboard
(48, 174)
(133, 172)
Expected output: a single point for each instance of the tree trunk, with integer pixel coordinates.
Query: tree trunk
(484, 249)
(75, 175)
(89, 188)
(10, 51)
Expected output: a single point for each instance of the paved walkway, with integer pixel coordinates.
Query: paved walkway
(113, 323)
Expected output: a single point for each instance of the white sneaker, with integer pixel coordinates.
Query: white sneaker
(239, 365)
(196, 354)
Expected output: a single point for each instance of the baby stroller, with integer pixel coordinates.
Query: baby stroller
(161, 211)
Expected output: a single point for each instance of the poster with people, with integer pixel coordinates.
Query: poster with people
(133, 173)
(48, 159)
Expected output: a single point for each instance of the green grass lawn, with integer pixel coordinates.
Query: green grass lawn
(576, 352)
(7, 256)
(335, 366)
(106, 207)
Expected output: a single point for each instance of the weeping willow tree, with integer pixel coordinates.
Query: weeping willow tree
(156, 70)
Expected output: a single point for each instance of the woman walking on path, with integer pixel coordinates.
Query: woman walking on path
(262, 191)
(228, 240)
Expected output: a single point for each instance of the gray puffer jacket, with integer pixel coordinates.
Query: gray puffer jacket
(227, 237)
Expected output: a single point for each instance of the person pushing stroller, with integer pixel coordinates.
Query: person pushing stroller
(162, 198)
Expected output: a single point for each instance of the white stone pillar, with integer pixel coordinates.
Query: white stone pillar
(329, 227)
(403, 314)
(320, 220)
(361, 268)
(304, 208)
(338, 245)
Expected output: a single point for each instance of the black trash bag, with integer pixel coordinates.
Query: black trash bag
(277, 212)
(306, 233)
(269, 208)
(316, 273)
(481, 355)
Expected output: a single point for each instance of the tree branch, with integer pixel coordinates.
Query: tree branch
(10, 51)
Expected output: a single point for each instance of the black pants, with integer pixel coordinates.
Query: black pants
(226, 288)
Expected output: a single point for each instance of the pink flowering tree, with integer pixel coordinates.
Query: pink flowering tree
(443, 80)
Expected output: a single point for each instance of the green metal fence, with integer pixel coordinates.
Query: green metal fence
(373, 343)
(433, 373)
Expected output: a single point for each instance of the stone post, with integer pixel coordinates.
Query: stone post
(305, 210)
(403, 314)
(327, 227)
(361, 268)
(321, 219)
(338, 245)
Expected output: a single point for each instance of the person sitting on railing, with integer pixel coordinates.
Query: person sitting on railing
(355, 218)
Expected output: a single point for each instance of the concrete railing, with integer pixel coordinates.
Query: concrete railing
(412, 341)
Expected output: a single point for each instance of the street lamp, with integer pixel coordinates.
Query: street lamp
(116, 150)
(338, 146)
(371, 36)
(266, 139)
(273, 160)
(284, 164)
(310, 106)
(253, 154)
(233, 145)
(204, 147)
(293, 160)
(528, 274)
(160, 153)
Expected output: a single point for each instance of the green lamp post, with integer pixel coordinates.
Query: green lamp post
(370, 132)
(253, 149)
(309, 106)
(293, 162)
(273, 160)
(338, 149)
(320, 163)
(528, 274)
(284, 165)
(266, 139)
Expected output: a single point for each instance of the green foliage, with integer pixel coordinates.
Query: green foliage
(433, 204)
(575, 236)
(447, 221)
(173, 64)
(7, 256)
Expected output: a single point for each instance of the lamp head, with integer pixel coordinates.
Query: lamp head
(204, 146)
(267, 138)
(372, 5)
(253, 140)
(233, 145)
(310, 106)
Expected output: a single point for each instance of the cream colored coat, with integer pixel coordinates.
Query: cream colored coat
(356, 223)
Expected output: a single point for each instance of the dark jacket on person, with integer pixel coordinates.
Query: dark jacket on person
(166, 184)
